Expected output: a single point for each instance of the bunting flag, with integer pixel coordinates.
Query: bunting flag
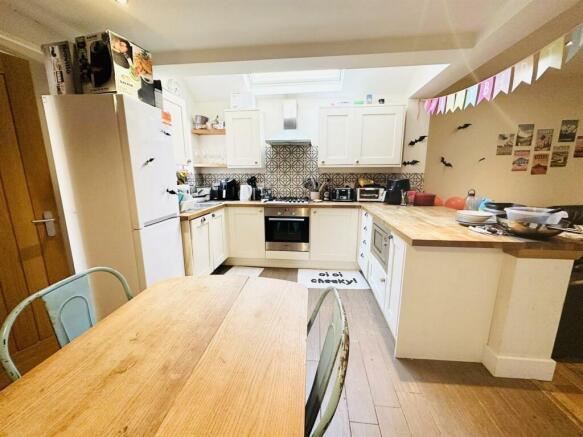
(433, 106)
(508, 80)
(485, 89)
(471, 95)
(550, 57)
(502, 82)
(523, 72)
(460, 97)
(575, 43)
(441, 105)
(449, 106)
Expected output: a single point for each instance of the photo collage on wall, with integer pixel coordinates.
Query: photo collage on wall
(519, 146)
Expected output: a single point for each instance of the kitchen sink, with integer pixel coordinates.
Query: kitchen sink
(191, 205)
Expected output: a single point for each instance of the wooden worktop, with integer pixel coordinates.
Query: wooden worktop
(428, 226)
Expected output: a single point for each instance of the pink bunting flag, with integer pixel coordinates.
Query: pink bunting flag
(433, 105)
(460, 97)
(485, 89)
(427, 104)
(502, 82)
(441, 105)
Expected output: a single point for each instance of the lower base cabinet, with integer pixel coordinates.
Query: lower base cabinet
(333, 234)
(208, 244)
(392, 302)
(246, 232)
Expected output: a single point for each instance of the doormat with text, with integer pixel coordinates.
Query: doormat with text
(341, 279)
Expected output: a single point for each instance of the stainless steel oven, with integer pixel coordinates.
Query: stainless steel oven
(287, 229)
(380, 246)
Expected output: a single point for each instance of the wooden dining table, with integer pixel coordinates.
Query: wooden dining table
(212, 355)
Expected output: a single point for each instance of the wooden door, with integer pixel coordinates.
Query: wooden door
(379, 134)
(29, 258)
(335, 147)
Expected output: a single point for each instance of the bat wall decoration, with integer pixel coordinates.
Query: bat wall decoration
(412, 162)
(417, 140)
(446, 163)
(464, 126)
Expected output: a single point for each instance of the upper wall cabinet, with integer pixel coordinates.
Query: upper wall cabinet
(179, 129)
(365, 136)
(244, 138)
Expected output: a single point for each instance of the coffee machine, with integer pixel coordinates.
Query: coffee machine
(393, 193)
(228, 189)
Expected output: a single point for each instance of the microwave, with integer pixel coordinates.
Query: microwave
(370, 194)
(380, 246)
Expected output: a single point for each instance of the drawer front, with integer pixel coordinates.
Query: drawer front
(377, 281)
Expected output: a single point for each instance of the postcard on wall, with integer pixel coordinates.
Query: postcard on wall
(560, 156)
(524, 135)
(579, 147)
(520, 161)
(540, 163)
(505, 144)
(544, 138)
(568, 131)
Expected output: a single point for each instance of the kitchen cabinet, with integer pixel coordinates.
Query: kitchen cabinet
(179, 128)
(335, 146)
(246, 232)
(364, 242)
(395, 283)
(378, 281)
(245, 146)
(333, 234)
(361, 136)
(218, 238)
(207, 243)
(200, 244)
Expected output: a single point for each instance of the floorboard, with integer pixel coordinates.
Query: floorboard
(386, 397)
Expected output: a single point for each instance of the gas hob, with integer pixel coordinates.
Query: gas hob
(288, 201)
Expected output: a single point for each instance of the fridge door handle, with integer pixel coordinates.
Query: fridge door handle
(168, 134)
(169, 191)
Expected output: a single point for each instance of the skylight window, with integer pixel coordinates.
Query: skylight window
(295, 82)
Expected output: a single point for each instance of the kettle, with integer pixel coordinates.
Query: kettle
(245, 193)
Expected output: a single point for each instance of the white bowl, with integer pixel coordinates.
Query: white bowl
(535, 215)
(472, 216)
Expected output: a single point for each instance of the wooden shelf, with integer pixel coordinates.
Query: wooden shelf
(210, 165)
(208, 131)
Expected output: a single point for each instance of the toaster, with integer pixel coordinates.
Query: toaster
(342, 195)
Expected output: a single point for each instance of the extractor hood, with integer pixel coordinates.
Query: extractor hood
(290, 135)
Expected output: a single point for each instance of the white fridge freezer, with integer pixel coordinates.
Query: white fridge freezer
(115, 172)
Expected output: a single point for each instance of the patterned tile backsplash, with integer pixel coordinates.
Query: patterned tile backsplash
(286, 168)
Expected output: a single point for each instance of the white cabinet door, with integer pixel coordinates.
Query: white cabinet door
(335, 146)
(377, 281)
(153, 170)
(246, 232)
(396, 269)
(201, 251)
(379, 132)
(179, 129)
(218, 241)
(243, 137)
(333, 234)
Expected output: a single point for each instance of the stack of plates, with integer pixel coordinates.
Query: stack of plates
(470, 217)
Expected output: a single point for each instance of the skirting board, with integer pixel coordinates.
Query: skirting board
(292, 264)
(506, 366)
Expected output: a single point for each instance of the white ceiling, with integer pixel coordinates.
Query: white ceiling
(195, 37)
(396, 82)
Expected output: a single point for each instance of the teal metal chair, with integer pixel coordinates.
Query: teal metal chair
(336, 347)
(71, 310)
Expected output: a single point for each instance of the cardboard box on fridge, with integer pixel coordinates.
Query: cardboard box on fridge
(59, 67)
(109, 63)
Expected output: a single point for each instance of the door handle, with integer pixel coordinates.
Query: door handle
(49, 221)
(171, 191)
(149, 161)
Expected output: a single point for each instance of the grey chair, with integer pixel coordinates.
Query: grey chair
(336, 347)
(71, 310)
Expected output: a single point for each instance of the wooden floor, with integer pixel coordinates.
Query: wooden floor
(389, 397)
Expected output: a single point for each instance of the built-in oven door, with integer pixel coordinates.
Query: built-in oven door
(380, 245)
(287, 233)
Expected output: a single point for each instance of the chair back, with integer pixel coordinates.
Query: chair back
(71, 310)
(336, 348)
